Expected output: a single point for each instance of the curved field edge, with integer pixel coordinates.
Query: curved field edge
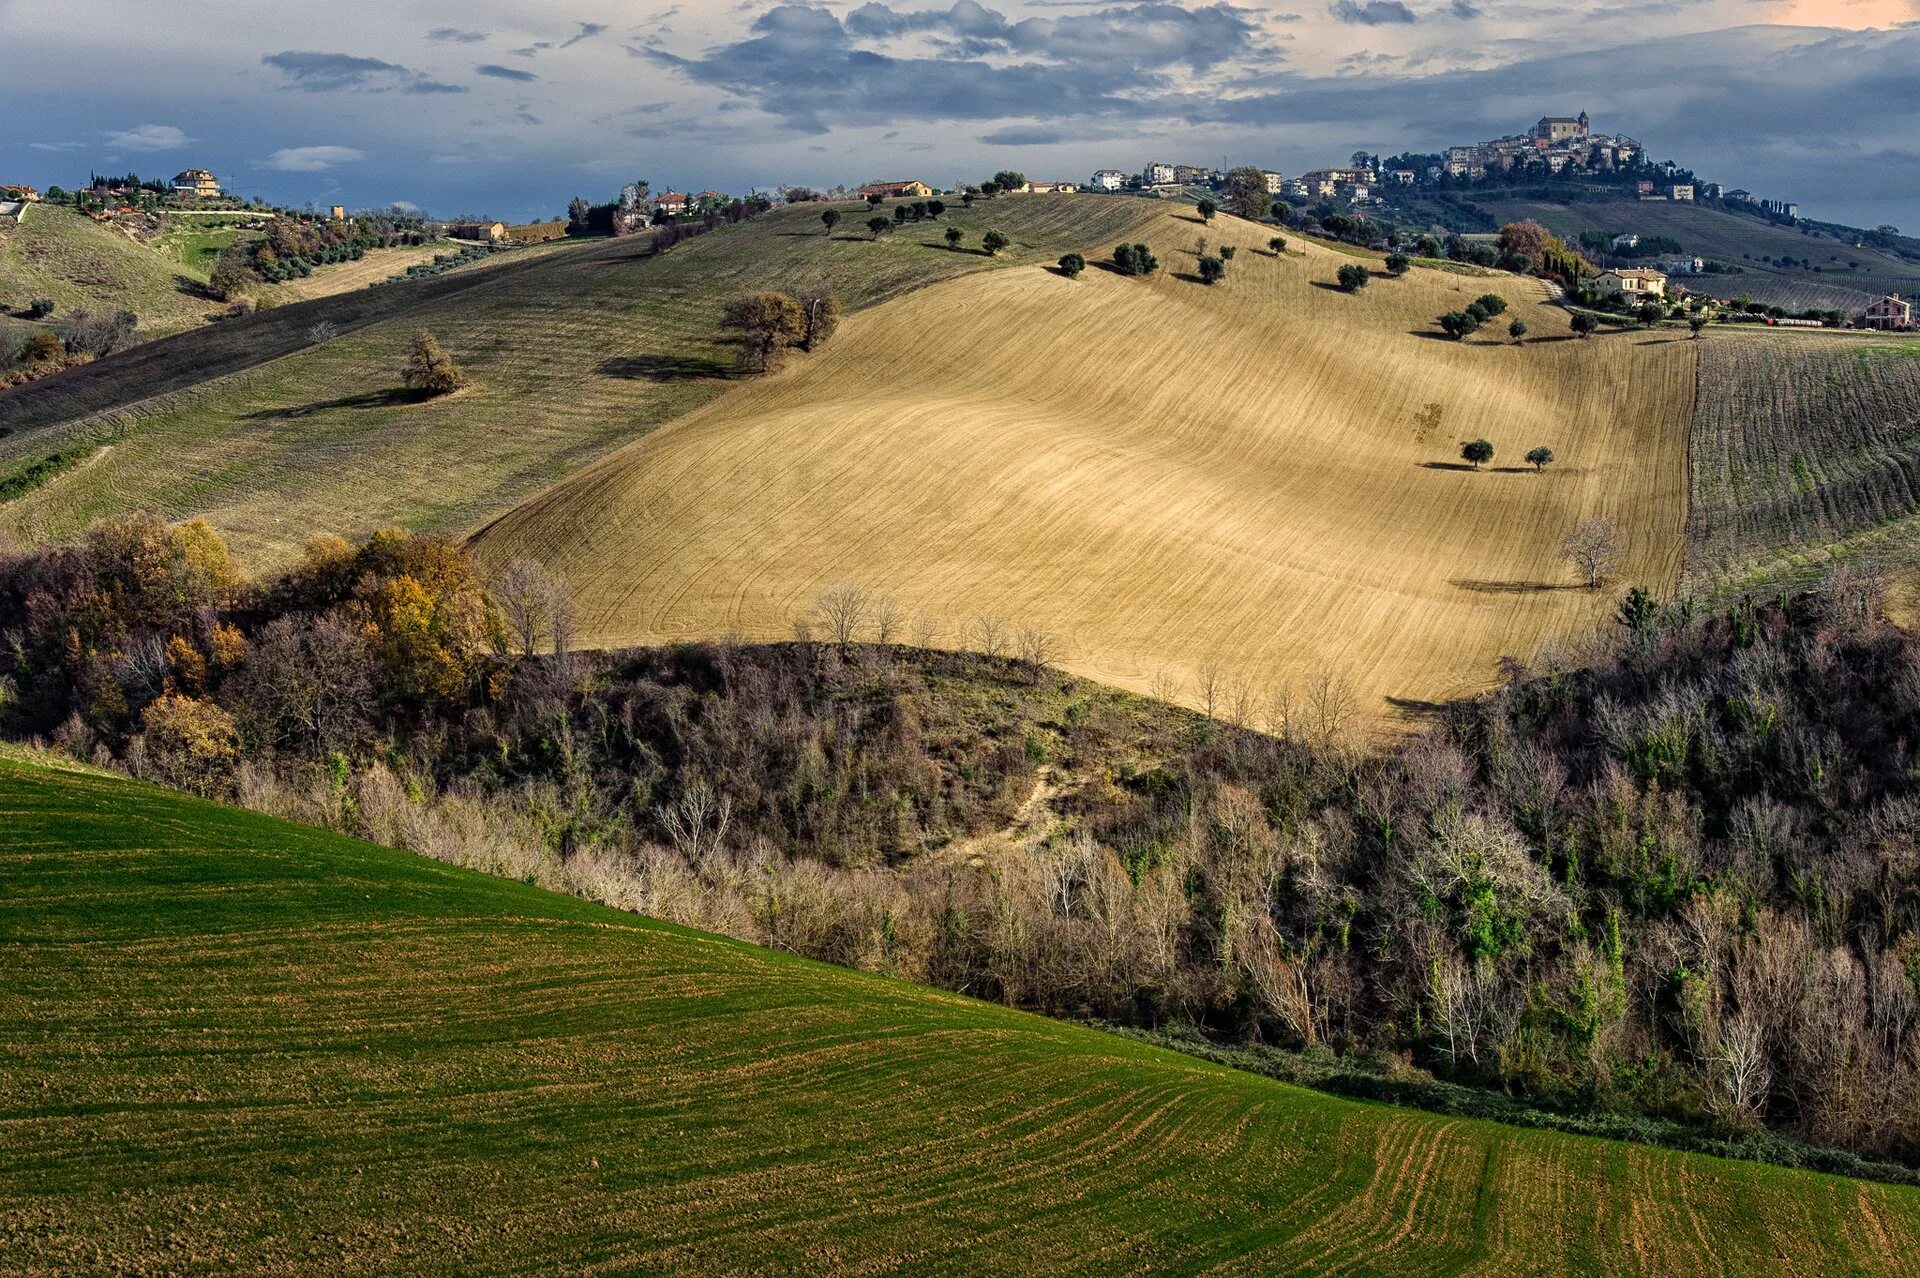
(237, 1045)
(572, 350)
(1256, 484)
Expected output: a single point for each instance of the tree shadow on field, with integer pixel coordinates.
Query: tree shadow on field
(1191, 217)
(945, 248)
(1331, 288)
(664, 368)
(1415, 708)
(389, 398)
(1479, 587)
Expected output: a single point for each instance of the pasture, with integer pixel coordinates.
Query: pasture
(573, 349)
(230, 1045)
(82, 265)
(1256, 483)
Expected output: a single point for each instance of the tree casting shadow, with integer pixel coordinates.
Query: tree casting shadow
(389, 398)
(663, 368)
(1479, 587)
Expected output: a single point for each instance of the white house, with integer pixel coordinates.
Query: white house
(1624, 241)
(1681, 191)
(1109, 180)
(1157, 174)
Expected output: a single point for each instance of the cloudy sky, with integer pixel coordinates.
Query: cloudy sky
(510, 107)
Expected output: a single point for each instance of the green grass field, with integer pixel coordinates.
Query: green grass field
(594, 346)
(230, 1045)
(79, 265)
(1737, 240)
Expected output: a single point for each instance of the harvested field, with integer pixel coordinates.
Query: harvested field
(573, 349)
(1806, 450)
(1259, 479)
(236, 1046)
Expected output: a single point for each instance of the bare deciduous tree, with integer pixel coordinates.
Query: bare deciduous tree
(1036, 647)
(991, 631)
(525, 594)
(888, 621)
(1207, 684)
(697, 824)
(843, 609)
(1330, 707)
(926, 629)
(1594, 549)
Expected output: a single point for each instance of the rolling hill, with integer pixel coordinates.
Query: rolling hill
(1258, 479)
(574, 350)
(79, 264)
(1847, 277)
(235, 1046)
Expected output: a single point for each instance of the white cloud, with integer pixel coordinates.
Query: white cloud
(149, 137)
(312, 159)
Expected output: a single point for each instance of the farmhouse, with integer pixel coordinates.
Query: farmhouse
(19, 194)
(196, 184)
(1891, 312)
(1052, 188)
(911, 189)
(1109, 180)
(489, 231)
(1633, 281)
(672, 203)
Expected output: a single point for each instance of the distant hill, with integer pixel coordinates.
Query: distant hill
(1779, 265)
(233, 1045)
(78, 264)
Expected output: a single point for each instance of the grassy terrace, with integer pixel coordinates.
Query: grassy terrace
(573, 350)
(230, 1045)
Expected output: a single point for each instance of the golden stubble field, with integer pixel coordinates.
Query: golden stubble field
(1258, 480)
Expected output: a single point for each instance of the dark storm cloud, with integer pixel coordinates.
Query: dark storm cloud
(1139, 35)
(806, 66)
(587, 31)
(498, 72)
(315, 72)
(1371, 13)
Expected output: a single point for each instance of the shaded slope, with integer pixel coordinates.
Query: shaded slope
(1260, 477)
(570, 356)
(238, 1046)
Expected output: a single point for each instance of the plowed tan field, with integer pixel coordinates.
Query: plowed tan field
(1167, 477)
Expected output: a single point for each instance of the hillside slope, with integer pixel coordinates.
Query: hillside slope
(571, 354)
(237, 1046)
(1806, 451)
(79, 264)
(1259, 478)
(1847, 278)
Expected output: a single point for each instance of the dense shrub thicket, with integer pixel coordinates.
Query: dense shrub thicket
(1678, 876)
